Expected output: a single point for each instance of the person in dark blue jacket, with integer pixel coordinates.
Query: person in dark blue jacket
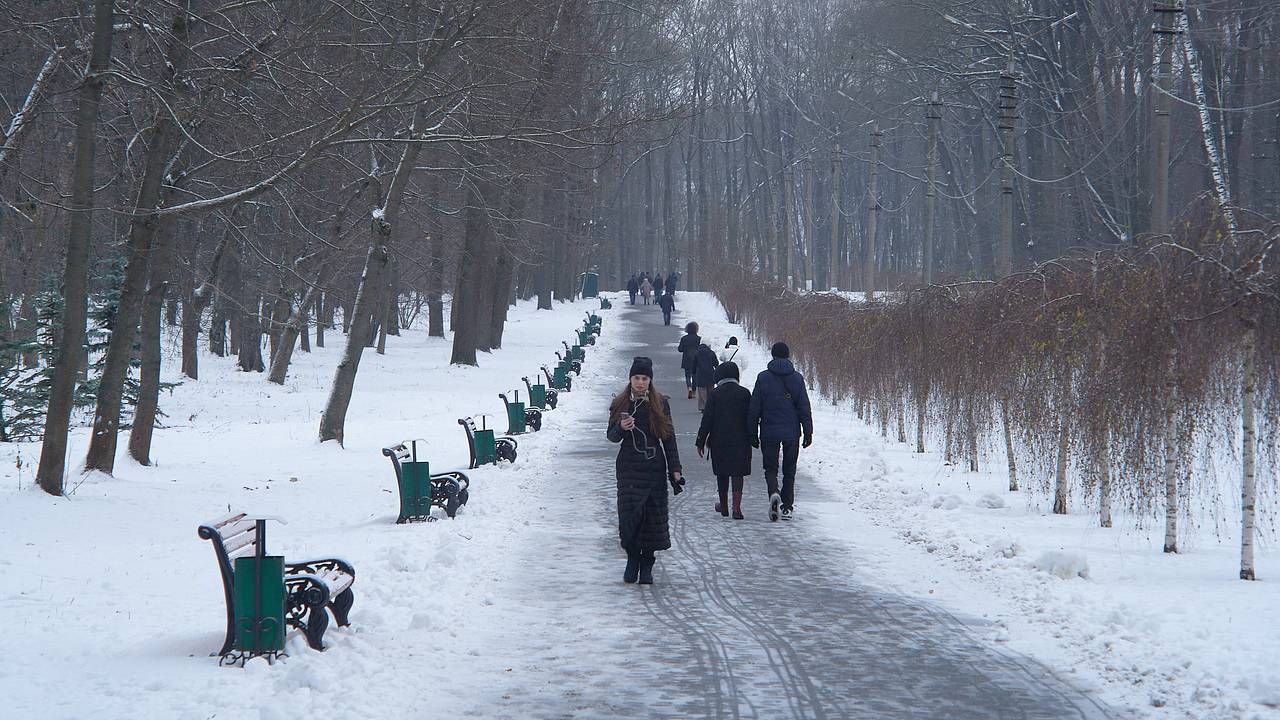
(780, 413)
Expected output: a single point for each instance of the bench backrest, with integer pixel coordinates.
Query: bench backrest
(233, 536)
(404, 452)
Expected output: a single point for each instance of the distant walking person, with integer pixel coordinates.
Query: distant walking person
(781, 413)
(704, 373)
(640, 419)
(657, 285)
(633, 287)
(668, 304)
(646, 289)
(724, 430)
(688, 349)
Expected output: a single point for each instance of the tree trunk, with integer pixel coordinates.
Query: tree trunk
(324, 317)
(144, 417)
(873, 212)
(1171, 451)
(53, 449)
(249, 330)
(372, 282)
(333, 420)
(1008, 443)
(1064, 438)
(466, 301)
(1249, 439)
(293, 327)
(435, 289)
(142, 234)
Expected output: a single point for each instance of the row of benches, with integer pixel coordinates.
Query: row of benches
(314, 589)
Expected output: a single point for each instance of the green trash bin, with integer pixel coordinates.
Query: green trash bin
(259, 602)
(577, 353)
(538, 396)
(590, 284)
(583, 336)
(515, 418)
(486, 447)
(415, 490)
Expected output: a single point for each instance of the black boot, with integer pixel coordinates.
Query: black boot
(633, 567)
(646, 567)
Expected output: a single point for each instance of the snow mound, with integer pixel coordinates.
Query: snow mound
(1063, 563)
(948, 502)
(990, 500)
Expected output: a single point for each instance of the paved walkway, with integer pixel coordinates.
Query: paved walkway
(748, 619)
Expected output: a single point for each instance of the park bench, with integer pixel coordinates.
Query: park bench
(605, 304)
(541, 396)
(484, 446)
(420, 489)
(576, 353)
(569, 364)
(592, 323)
(559, 380)
(310, 586)
(520, 417)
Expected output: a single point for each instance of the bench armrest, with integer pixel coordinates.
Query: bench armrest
(316, 567)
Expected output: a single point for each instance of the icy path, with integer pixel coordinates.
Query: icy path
(747, 620)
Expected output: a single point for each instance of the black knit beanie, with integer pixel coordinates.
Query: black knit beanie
(641, 366)
(727, 370)
(780, 350)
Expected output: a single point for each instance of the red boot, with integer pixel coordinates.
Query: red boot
(722, 507)
(737, 505)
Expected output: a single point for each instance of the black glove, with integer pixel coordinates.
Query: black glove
(755, 443)
(677, 485)
(808, 440)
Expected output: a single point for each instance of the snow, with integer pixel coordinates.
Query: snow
(113, 604)
(1166, 636)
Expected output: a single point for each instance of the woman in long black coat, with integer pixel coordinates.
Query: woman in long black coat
(640, 419)
(688, 349)
(724, 430)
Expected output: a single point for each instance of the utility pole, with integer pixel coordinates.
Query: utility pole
(1008, 123)
(873, 212)
(833, 257)
(1165, 30)
(807, 279)
(933, 112)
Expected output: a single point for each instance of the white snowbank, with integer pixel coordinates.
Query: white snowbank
(1164, 636)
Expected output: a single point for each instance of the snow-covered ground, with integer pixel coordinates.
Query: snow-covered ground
(113, 604)
(1171, 636)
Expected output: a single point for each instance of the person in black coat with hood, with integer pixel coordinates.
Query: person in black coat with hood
(633, 287)
(780, 412)
(724, 430)
(688, 349)
(668, 304)
(704, 373)
(640, 419)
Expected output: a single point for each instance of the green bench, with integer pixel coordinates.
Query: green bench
(420, 490)
(310, 586)
(540, 396)
(484, 446)
(519, 417)
(559, 379)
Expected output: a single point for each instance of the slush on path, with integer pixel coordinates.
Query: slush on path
(747, 618)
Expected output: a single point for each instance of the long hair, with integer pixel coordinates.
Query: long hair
(659, 421)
